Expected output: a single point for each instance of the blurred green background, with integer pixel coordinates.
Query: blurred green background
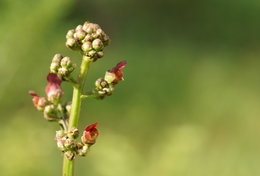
(189, 105)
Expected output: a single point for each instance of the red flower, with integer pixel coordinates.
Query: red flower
(115, 74)
(39, 102)
(53, 89)
(90, 134)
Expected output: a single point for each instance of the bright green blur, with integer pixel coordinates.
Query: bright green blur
(189, 105)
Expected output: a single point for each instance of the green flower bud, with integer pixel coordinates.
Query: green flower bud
(60, 133)
(101, 83)
(54, 67)
(90, 27)
(84, 150)
(63, 71)
(50, 113)
(79, 27)
(66, 62)
(69, 143)
(97, 44)
(71, 43)
(100, 32)
(80, 34)
(70, 33)
(100, 54)
(57, 58)
(86, 46)
(68, 109)
(73, 133)
(91, 53)
(106, 40)
(87, 38)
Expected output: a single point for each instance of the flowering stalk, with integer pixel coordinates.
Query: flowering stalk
(74, 116)
(90, 40)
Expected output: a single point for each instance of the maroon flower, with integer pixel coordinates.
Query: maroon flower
(115, 74)
(39, 102)
(53, 89)
(90, 134)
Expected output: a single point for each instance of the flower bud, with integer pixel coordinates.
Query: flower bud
(66, 62)
(90, 27)
(100, 54)
(100, 32)
(71, 43)
(68, 109)
(70, 155)
(60, 133)
(70, 33)
(50, 113)
(97, 44)
(53, 89)
(80, 35)
(69, 143)
(86, 46)
(90, 134)
(101, 83)
(79, 27)
(84, 150)
(73, 133)
(57, 58)
(63, 71)
(87, 38)
(54, 67)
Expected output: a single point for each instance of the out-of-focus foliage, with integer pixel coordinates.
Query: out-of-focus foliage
(189, 105)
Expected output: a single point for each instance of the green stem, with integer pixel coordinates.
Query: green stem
(75, 109)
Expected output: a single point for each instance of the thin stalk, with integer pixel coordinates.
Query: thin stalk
(75, 110)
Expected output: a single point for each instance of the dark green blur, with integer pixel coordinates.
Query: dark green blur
(189, 105)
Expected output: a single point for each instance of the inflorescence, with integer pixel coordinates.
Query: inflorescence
(90, 40)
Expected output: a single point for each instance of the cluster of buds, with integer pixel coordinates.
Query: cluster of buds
(105, 86)
(66, 141)
(62, 66)
(51, 107)
(89, 38)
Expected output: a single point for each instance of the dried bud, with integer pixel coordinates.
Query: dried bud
(115, 74)
(53, 89)
(39, 102)
(70, 155)
(90, 134)
(97, 44)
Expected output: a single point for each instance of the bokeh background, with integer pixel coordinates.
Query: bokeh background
(189, 105)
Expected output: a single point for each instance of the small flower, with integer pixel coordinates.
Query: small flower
(53, 89)
(115, 74)
(90, 134)
(39, 102)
